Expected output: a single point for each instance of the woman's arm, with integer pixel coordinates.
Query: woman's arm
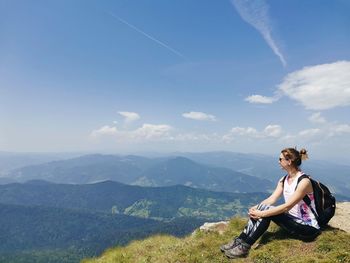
(275, 195)
(303, 188)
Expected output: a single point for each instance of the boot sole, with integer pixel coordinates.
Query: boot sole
(233, 257)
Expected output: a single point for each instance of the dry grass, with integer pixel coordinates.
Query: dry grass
(331, 246)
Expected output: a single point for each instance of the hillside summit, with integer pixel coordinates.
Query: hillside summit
(341, 218)
(333, 245)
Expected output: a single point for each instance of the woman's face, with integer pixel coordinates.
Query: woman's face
(284, 163)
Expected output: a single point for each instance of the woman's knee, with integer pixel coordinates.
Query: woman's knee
(263, 207)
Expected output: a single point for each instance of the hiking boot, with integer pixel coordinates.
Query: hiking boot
(230, 245)
(241, 250)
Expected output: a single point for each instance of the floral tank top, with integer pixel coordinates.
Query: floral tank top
(301, 212)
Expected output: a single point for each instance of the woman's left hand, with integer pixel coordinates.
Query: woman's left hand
(255, 214)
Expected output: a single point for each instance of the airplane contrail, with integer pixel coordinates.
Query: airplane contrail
(147, 35)
(255, 13)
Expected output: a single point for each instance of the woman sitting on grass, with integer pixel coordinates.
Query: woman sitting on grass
(294, 215)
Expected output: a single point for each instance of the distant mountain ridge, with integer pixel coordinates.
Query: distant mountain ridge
(13, 160)
(43, 221)
(181, 170)
(267, 167)
(143, 171)
(149, 202)
(86, 169)
(162, 171)
(48, 234)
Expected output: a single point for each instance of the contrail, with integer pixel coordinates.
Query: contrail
(147, 35)
(255, 13)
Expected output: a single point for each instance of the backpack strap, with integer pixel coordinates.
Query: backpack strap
(283, 179)
(306, 198)
(299, 179)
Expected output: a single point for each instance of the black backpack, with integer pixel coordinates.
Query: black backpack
(324, 201)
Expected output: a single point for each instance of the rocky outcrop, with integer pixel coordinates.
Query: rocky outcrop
(340, 220)
(219, 227)
(341, 217)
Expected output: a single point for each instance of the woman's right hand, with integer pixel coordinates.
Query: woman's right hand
(253, 208)
(255, 213)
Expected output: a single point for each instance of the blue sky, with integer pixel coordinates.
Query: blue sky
(164, 76)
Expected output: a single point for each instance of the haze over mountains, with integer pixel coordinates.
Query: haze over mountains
(217, 171)
(64, 208)
(335, 176)
(66, 222)
(142, 171)
(47, 234)
(147, 202)
(10, 160)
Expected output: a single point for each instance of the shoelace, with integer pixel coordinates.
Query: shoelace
(242, 246)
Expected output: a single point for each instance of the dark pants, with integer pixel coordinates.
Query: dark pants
(255, 228)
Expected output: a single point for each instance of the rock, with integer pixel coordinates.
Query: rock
(340, 220)
(341, 217)
(219, 227)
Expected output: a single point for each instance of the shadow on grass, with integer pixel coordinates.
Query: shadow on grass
(330, 228)
(282, 234)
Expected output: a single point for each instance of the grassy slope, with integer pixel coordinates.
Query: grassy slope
(331, 246)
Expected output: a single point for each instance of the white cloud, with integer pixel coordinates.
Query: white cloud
(105, 130)
(129, 116)
(164, 134)
(319, 87)
(256, 13)
(151, 131)
(200, 116)
(241, 131)
(318, 135)
(339, 129)
(192, 136)
(317, 118)
(304, 137)
(309, 132)
(261, 99)
(147, 132)
(273, 131)
(270, 131)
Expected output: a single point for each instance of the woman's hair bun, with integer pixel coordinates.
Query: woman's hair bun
(303, 154)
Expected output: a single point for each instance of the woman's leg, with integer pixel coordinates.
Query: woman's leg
(299, 230)
(255, 228)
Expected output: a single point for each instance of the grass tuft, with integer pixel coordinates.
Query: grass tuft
(275, 246)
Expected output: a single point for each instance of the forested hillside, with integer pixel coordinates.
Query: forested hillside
(42, 234)
(64, 222)
(148, 202)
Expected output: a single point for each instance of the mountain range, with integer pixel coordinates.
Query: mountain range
(136, 170)
(13, 160)
(162, 203)
(65, 222)
(46, 234)
(267, 167)
(218, 171)
(64, 209)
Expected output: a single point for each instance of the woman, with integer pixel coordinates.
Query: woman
(294, 215)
